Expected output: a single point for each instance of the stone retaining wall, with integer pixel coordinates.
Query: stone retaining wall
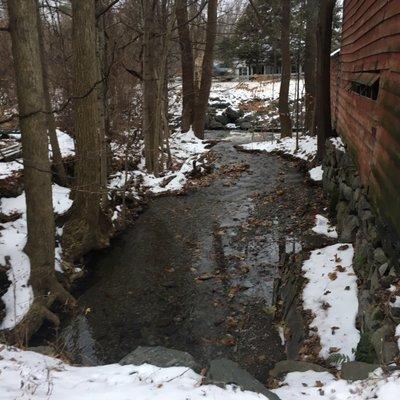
(376, 259)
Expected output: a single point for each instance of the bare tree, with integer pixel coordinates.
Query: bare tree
(206, 72)
(150, 88)
(310, 58)
(37, 173)
(323, 94)
(188, 87)
(284, 114)
(88, 226)
(51, 122)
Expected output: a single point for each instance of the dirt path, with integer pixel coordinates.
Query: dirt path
(197, 271)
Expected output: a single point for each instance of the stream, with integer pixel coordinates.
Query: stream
(196, 272)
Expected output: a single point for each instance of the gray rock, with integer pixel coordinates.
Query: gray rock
(161, 357)
(222, 119)
(45, 350)
(383, 269)
(224, 372)
(245, 126)
(349, 229)
(287, 366)
(356, 370)
(390, 350)
(380, 337)
(380, 256)
(233, 115)
(215, 125)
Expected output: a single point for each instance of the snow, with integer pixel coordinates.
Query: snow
(323, 227)
(8, 168)
(312, 385)
(28, 375)
(33, 376)
(66, 143)
(335, 52)
(307, 147)
(331, 295)
(19, 295)
(338, 143)
(238, 92)
(316, 173)
(186, 149)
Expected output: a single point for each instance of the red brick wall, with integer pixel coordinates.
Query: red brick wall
(371, 42)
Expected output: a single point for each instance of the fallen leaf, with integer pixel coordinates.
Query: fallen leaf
(332, 276)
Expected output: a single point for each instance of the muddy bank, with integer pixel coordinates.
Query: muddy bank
(197, 272)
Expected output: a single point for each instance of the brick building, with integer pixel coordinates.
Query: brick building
(365, 86)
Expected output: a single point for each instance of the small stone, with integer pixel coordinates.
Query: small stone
(161, 357)
(287, 366)
(356, 370)
(224, 372)
(379, 256)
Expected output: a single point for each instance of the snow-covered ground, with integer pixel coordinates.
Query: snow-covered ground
(324, 227)
(236, 93)
(312, 385)
(19, 296)
(331, 294)
(307, 148)
(28, 375)
(316, 173)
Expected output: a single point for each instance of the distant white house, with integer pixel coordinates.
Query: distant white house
(242, 70)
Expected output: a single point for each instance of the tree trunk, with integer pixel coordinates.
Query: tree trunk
(323, 95)
(188, 87)
(207, 69)
(149, 89)
(310, 58)
(284, 114)
(103, 94)
(88, 227)
(51, 122)
(37, 173)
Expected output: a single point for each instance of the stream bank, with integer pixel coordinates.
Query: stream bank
(197, 272)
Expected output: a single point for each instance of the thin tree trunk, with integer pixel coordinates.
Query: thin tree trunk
(149, 89)
(37, 172)
(188, 87)
(103, 94)
(207, 68)
(310, 58)
(284, 114)
(51, 122)
(88, 227)
(323, 95)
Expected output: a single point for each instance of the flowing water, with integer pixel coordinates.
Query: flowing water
(196, 272)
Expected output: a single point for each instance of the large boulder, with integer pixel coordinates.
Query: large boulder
(287, 366)
(356, 370)
(214, 125)
(223, 119)
(224, 372)
(161, 357)
(233, 115)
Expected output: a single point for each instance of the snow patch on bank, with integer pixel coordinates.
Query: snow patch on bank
(338, 143)
(324, 227)
(306, 151)
(33, 376)
(316, 173)
(19, 295)
(331, 295)
(312, 385)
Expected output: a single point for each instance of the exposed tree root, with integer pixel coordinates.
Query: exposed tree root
(40, 312)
